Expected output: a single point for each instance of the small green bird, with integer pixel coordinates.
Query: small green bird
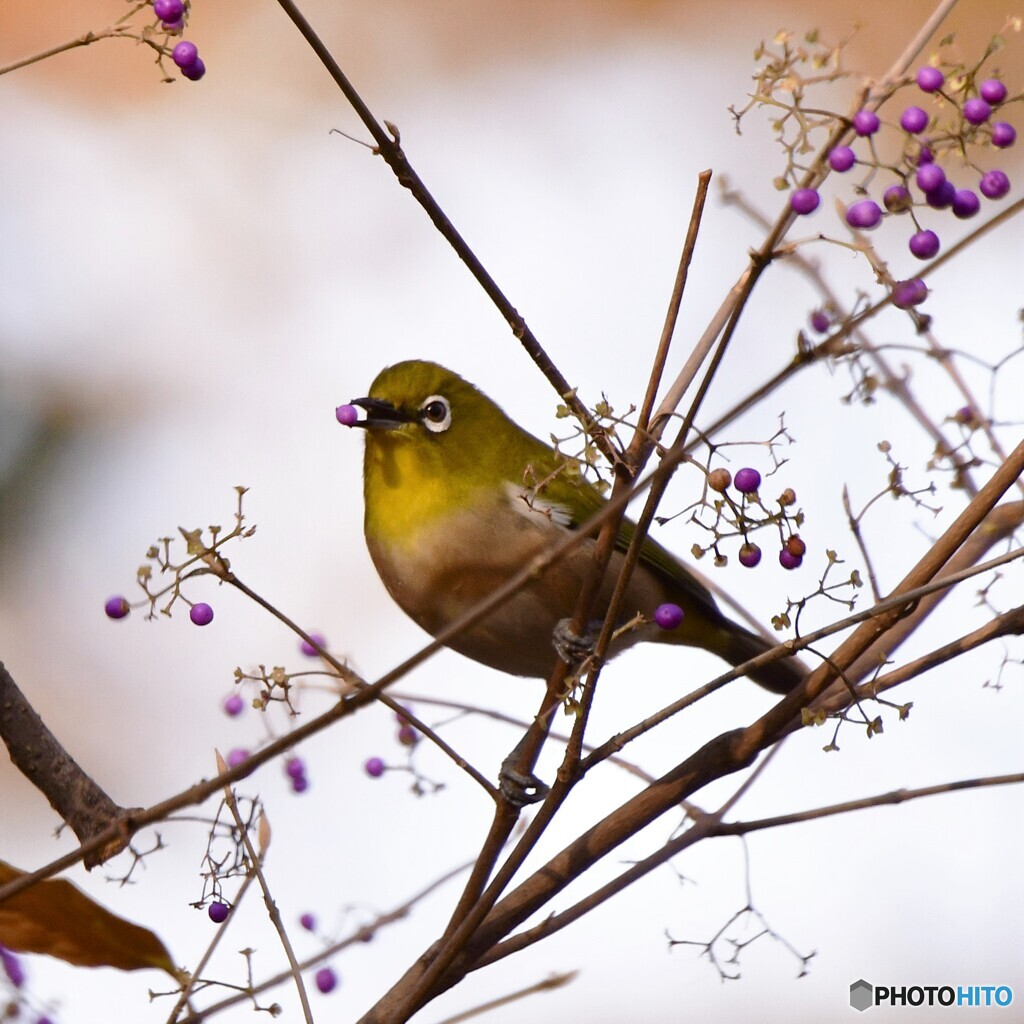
(459, 498)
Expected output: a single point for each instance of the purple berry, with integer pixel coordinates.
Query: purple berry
(194, 71)
(747, 480)
(201, 613)
(930, 177)
(295, 767)
(994, 184)
(804, 200)
(788, 560)
(865, 122)
(233, 705)
(168, 10)
(924, 156)
(864, 214)
(346, 415)
(407, 735)
(668, 616)
(930, 79)
(976, 110)
(117, 607)
(750, 555)
(906, 294)
(185, 54)
(897, 199)
(218, 912)
(965, 203)
(308, 649)
(842, 158)
(326, 980)
(821, 322)
(913, 120)
(12, 967)
(992, 91)
(924, 245)
(300, 785)
(941, 197)
(308, 921)
(1003, 135)
(374, 767)
(236, 755)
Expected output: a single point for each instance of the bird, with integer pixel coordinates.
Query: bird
(459, 498)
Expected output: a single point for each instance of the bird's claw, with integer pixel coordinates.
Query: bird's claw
(571, 647)
(520, 788)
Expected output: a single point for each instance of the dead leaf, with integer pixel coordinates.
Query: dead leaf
(56, 918)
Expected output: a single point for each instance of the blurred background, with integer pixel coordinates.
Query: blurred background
(193, 276)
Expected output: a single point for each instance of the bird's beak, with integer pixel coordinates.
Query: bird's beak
(380, 415)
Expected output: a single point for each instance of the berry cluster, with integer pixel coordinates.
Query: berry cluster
(202, 557)
(743, 513)
(406, 735)
(172, 14)
(962, 120)
(186, 56)
(295, 769)
(200, 613)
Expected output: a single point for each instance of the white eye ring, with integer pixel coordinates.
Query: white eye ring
(436, 414)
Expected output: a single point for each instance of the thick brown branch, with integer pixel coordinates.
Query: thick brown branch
(39, 756)
(711, 829)
(997, 526)
(723, 755)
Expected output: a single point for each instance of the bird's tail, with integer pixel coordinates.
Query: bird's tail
(740, 645)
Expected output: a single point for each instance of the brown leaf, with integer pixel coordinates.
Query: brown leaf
(55, 917)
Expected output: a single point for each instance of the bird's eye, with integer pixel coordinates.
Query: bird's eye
(436, 414)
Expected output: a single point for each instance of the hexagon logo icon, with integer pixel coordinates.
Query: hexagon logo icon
(861, 995)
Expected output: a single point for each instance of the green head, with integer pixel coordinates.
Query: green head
(432, 441)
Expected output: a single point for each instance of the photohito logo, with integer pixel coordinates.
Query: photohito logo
(864, 995)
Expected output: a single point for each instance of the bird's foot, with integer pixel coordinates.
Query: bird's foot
(520, 788)
(571, 647)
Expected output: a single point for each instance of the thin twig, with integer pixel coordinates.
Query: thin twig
(196, 976)
(363, 934)
(547, 985)
(713, 829)
(672, 315)
(722, 755)
(388, 145)
(353, 679)
(853, 521)
(256, 867)
(895, 796)
(1009, 623)
(116, 30)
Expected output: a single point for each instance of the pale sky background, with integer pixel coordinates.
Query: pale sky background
(193, 276)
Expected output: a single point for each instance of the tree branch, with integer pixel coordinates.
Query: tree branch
(41, 758)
